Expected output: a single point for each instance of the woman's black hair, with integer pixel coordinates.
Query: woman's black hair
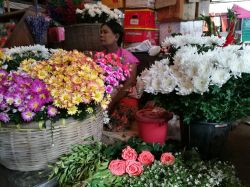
(116, 28)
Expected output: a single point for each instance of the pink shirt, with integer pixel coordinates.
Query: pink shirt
(127, 56)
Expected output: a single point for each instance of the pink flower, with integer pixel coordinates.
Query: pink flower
(52, 111)
(28, 115)
(129, 154)
(4, 117)
(117, 167)
(109, 89)
(146, 158)
(133, 168)
(34, 105)
(167, 158)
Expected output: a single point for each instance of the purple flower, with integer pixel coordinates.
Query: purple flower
(34, 105)
(109, 89)
(4, 117)
(37, 86)
(3, 74)
(52, 111)
(27, 115)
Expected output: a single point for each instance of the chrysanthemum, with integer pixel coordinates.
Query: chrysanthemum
(73, 110)
(37, 86)
(109, 89)
(97, 96)
(52, 111)
(27, 115)
(34, 105)
(4, 117)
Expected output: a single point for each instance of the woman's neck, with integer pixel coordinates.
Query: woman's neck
(112, 48)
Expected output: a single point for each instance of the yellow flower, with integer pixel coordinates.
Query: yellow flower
(42, 74)
(65, 97)
(73, 110)
(97, 96)
(76, 80)
(77, 98)
(90, 110)
(105, 103)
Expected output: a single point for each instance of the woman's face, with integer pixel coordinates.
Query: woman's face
(107, 37)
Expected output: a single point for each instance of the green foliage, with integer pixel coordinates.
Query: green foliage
(78, 165)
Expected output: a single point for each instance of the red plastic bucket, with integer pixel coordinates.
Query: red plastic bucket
(152, 124)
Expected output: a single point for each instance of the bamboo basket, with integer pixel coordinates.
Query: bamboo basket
(30, 148)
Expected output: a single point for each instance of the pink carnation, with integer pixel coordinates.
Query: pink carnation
(167, 158)
(129, 153)
(117, 167)
(146, 158)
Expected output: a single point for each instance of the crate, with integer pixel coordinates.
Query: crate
(140, 4)
(114, 3)
(136, 18)
(139, 35)
(180, 11)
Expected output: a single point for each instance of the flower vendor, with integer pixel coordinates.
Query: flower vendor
(111, 38)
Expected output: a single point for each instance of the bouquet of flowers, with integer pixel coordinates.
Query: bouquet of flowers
(200, 80)
(97, 13)
(115, 71)
(38, 84)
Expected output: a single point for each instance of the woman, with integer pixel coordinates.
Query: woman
(122, 107)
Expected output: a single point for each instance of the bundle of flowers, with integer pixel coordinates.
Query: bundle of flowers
(132, 163)
(23, 98)
(115, 70)
(12, 57)
(148, 165)
(98, 13)
(63, 11)
(74, 80)
(5, 31)
(201, 82)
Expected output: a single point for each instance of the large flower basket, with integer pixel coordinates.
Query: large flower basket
(31, 147)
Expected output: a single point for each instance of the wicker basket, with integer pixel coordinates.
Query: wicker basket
(83, 37)
(32, 149)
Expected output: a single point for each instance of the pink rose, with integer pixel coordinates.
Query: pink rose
(167, 158)
(133, 167)
(146, 158)
(129, 154)
(117, 167)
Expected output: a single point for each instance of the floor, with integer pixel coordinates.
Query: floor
(236, 150)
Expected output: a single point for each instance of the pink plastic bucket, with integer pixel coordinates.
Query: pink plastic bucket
(152, 125)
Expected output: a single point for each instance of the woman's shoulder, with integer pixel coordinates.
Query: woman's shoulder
(128, 56)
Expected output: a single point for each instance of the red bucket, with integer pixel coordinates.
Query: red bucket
(152, 124)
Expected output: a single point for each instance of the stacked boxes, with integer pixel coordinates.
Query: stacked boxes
(140, 25)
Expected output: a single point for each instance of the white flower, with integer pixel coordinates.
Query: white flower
(220, 76)
(200, 84)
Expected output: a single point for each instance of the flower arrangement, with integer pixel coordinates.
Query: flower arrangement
(115, 71)
(97, 13)
(38, 26)
(200, 80)
(72, 78)
(70, 84)
(148, 168)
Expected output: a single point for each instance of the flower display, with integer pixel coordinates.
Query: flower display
(15, 55)
(72, 78)
(21, 95)
(200, 80)
(115, 71)
(98, 13)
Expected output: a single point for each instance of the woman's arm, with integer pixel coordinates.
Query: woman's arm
(122, 91)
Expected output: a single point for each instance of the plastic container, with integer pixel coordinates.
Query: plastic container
(152, 124)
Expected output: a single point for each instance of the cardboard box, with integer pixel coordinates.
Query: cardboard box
(139, 18)
(139, 35)
(140, 4)
(193, 28)
(179, 11)
(164, 3)
(114, 3)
